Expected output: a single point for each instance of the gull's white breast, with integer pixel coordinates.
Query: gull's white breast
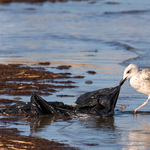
(141, 81)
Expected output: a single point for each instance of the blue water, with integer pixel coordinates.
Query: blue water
(88, 35)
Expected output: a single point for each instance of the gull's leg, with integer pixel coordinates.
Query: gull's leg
(145, 103)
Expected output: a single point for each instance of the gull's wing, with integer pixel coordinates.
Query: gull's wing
(145, 74)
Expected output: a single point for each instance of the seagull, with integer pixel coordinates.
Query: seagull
(139, 80)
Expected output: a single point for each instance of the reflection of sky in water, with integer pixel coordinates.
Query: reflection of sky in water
(136, 136)
(124, 131)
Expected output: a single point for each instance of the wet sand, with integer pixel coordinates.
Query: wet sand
(17, 79)
(32, 80)
(10, 138)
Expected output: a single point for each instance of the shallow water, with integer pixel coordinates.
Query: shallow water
(88, 35)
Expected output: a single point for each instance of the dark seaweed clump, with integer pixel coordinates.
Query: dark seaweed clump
(22, 80)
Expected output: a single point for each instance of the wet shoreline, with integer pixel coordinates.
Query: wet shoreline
(98, 39)
(11, 138)
(17, 79)
(13, 73)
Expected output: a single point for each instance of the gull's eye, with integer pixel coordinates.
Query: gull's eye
(128, 71)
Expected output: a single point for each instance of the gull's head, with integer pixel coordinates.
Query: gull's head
(129, 72)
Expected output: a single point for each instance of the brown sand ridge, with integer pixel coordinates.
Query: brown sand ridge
(23, 80)
(11, 139)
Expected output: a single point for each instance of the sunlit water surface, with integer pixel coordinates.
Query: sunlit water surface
(88, 35)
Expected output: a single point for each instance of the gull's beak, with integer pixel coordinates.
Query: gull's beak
(122, 81)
